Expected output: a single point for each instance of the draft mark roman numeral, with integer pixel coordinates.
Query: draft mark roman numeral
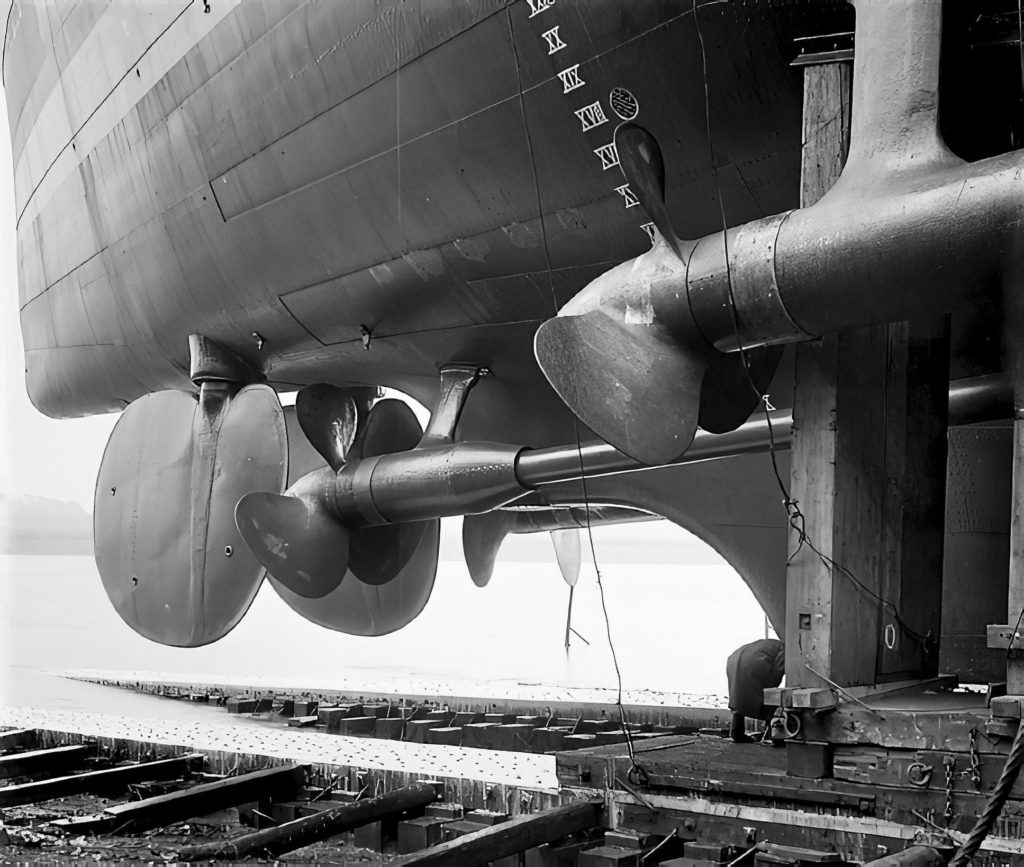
(609, 155)
(628, 196)
(571, 78)
(538, 6)
(554, 41)
(591, 115)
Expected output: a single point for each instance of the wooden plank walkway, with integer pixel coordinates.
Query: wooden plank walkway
(522, 770)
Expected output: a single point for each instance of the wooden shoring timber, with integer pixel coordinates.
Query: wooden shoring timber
(869, 406)
(173, 807)
(907, 730)
(896, 768)
(768, 791)
(14, 738)
(693, 759)
(859, 838)
(44, 761)
(108, 780)
(515, 835)
(271, 842)
(873, 783)
(780, 826)
(915, 856)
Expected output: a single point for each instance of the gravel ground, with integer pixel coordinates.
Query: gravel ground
(27, 836)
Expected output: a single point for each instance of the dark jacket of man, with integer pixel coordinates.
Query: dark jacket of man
(752, 669)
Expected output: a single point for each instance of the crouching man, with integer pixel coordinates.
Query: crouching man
(752, 669)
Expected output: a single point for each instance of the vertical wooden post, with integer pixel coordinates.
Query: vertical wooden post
(868, 468)
(809, 602)
(1009, 637)
(1015, 587)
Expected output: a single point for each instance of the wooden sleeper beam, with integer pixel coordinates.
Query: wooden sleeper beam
(161, 810)
(271, 842)
(508, 838)
(14, 738)
(44, 761)
(109, 780)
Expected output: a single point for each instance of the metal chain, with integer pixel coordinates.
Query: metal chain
(950, 763)
(975, 761)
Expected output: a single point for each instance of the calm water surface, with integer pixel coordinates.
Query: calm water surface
(672, 625)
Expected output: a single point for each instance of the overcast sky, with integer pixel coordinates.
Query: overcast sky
(41, 456)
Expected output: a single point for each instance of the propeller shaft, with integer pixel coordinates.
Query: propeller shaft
(432, 482)
(474, 477)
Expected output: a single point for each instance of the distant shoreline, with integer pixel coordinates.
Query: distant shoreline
(42, 526)
(29, 548)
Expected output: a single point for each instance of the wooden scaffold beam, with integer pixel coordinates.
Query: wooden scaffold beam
(44, 761)
(511, 837)
(271, 842)
(107, 780)
(868, 469)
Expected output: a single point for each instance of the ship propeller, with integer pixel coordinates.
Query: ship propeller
(625, 354)
(365, 580)
(482, 536)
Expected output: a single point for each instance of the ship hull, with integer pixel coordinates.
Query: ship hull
(362, 192)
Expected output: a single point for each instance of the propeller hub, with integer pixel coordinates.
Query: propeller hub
(353, 545)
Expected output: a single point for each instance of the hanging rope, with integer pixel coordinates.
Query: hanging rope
(988, 816)
(637, 774)
(568, 620)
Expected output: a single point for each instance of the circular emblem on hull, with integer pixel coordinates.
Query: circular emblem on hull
(623, 103)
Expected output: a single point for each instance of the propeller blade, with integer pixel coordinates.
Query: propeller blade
(303, 546)
(733, 387)
(567, 553)
(391, 426)
(358, 608)
(302, 457)
(626, 355)
(644, 168)
(632, 385)
(328, 416)
(377, 554)
(482, 536)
